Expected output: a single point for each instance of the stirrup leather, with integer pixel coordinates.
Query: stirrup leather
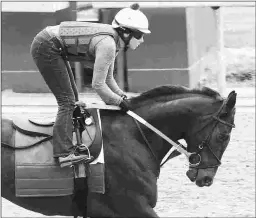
(78, 117)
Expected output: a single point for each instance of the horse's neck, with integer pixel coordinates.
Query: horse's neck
(123, 136)
(169, 120)
(174, 118)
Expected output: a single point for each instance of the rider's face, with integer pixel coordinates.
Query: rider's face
(134, 43)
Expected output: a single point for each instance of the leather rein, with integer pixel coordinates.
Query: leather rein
(194, 158)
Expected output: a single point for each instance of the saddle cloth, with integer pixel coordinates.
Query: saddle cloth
(38, 174)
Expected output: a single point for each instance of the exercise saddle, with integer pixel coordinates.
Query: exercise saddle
(37, 173)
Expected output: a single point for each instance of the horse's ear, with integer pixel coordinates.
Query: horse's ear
(231, 101)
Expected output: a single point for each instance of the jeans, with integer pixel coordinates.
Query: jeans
(52, 68)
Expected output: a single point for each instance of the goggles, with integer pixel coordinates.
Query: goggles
(137, 34)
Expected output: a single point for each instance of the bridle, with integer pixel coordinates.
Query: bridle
(194, 158)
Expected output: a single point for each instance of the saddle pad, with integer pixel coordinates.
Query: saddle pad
(96, 178)
(37, 173)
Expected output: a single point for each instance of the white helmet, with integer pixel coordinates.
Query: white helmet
(131, 18)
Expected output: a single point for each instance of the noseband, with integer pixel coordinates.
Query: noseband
(194, 158)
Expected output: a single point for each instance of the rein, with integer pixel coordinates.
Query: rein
(145, 139)
(194, 158)
(179, 147)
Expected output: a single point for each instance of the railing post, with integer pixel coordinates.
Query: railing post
(221, 75)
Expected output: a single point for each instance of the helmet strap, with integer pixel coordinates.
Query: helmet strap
(122, 32)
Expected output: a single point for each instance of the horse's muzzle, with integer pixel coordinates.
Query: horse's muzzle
(192, 174)
(206, 181)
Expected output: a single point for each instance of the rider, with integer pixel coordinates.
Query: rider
(96, 45)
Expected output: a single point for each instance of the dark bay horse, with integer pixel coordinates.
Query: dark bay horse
(199, 116)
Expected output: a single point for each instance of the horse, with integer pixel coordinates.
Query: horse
(200, 116)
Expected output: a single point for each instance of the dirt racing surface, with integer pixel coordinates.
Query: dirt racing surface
(233, 191)
(231, 195)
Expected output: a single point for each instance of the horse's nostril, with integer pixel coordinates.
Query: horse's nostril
(208, 180)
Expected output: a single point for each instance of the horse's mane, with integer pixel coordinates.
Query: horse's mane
(175, 90)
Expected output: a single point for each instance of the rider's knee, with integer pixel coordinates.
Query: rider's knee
(66, 101)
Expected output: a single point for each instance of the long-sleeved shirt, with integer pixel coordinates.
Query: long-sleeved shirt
(104, 50)
(103, 80)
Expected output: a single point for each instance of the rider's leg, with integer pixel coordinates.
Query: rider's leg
(54, 72)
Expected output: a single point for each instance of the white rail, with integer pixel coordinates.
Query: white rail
(164, 4)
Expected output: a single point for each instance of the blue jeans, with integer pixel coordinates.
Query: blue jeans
(53, 69)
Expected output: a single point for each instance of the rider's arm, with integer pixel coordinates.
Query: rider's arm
(104, 57)
(111, 82)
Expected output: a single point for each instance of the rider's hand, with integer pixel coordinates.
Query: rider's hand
(124, 96)
(81, 105)
(125, 105)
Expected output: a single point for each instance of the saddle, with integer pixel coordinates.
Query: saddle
(37, 173)
(38, 131)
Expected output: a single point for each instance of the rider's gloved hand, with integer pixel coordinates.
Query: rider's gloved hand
(124, 96)
(81, 105)
(125, 105)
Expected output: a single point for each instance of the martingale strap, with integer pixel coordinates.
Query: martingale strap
(171, 153)
(144, 122)
(194, 158)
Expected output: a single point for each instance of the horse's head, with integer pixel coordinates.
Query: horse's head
(208, 138)
(199, 116)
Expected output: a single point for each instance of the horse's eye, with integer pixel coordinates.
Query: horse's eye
(223, 136)
(223, 115)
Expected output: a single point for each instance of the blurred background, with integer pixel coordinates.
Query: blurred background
(191, 43)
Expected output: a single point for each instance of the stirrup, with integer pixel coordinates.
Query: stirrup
(86, 160)
(82, 147)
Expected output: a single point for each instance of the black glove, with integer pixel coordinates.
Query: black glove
(124, 96)
(81, 105)
(124, 105)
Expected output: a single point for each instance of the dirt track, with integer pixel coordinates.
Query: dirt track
(231, 195)
(233, 191)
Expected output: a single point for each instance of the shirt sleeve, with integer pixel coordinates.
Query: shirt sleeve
(111, 82)
(104, 59)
